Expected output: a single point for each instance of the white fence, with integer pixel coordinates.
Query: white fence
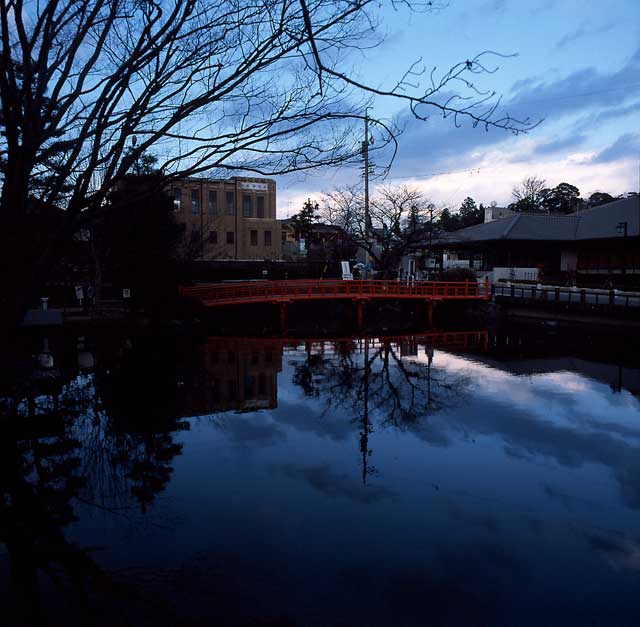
(515, 274)
(566, 295)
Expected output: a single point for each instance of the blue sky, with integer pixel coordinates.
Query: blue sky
(577, 68)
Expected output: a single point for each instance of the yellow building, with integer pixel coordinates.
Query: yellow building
(228, 219)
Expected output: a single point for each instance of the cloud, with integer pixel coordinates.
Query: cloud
(333, 484)
(627, 145)
(583, 89)
(612, 113)
(620, 553)
(583, 32)
(250, 429)
(586, 89)
(438, 146)
(559, 145)
(301, 417)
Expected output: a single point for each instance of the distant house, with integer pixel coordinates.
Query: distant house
(325, 242)
(603, 240)
(493, 212)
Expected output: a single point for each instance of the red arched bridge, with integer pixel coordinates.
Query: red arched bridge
(284, 292)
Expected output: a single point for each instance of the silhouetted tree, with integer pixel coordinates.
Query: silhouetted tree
(528, 195)
(600, 198)
(134, 241)
(217, 85)
(398, 218)
(564, 198)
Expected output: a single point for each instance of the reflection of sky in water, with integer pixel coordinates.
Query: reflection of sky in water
(516, 502)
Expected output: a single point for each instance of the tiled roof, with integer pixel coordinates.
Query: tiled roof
(596, 223)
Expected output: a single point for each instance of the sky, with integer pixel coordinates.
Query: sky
(576, 67)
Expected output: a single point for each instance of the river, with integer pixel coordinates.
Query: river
(468, 477)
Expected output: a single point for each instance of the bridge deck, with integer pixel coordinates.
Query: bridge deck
(222, 294)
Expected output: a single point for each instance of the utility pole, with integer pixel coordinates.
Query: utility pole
(365, 156)
(431, 208)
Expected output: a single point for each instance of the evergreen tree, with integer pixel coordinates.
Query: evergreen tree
(304, 220)
(469, 213)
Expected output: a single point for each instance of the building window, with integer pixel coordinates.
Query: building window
(177, 199)
(246, 205)
(267, 238)
(230, 237)
(213, 237)
(230, 204)
(260, 207)
(254, 237)
(195, 201)
(213, 202)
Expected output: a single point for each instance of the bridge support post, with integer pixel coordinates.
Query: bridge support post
(430, 312)
(360, 313)
(283, 317)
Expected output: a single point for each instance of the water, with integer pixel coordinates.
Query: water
(467, 478)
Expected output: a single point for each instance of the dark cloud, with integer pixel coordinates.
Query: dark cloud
(583, 89)
(568, 501)
(560, 145)
(625, 146)
(333, 484)
(588, 90)
(615, 112)
(620, 553)
(583, 32)
(526, 436)
(302, 418)
(249, 429)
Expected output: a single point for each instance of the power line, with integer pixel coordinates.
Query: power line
(572, 96)
(430, 174)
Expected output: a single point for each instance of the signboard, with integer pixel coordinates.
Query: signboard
(261, 187)
(79, 293)
(126, 292)
(346, 271)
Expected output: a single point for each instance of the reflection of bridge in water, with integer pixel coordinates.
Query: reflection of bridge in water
(284, 292)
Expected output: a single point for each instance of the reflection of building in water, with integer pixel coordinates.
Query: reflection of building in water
(617, 377)
(521, 353)
(235, 375)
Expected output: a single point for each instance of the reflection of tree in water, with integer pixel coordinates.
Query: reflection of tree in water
(101, 439)
(374, 373)
(135, 423)
(373, 377)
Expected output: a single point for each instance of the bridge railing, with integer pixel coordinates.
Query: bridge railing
(225, 293)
